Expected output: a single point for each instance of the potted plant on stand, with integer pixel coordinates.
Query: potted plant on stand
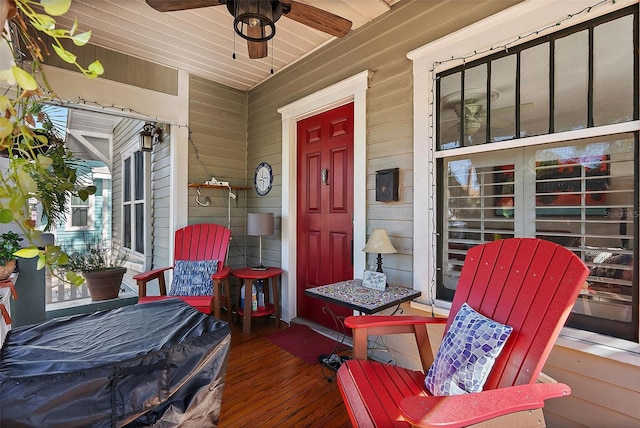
(101, 268)
(9, 244)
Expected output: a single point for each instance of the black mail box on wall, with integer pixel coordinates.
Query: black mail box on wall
(387, 184)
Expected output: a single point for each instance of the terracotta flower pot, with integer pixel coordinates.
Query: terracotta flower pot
(104, 284)
(7, 269)
(7, 11)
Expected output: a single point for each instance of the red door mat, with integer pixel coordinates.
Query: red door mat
(303, 342)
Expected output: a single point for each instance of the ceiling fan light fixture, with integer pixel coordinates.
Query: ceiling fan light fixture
(254, 20)
(472, 126)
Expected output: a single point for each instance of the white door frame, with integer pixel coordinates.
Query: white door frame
(352, 89)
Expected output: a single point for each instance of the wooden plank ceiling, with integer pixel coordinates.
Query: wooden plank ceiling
(201, 41)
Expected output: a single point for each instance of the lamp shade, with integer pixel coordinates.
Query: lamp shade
(379, 243)
(259, 224)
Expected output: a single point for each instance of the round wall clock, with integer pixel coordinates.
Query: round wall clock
(263, 178)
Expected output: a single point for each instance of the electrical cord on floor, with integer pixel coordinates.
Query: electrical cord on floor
(330, 365)
(328, 373)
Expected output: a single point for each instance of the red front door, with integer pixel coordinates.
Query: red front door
(325, 208)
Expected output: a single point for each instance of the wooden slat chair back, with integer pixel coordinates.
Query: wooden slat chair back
(528, 284)
(197, 242)
(202, 242)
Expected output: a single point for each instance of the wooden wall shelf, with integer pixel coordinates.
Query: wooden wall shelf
(217, 186)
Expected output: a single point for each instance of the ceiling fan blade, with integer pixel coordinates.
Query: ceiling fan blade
(174, 5)
(511, 110)
(316, 18)
(257, 50)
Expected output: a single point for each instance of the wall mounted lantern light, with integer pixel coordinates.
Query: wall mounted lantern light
(149, 136)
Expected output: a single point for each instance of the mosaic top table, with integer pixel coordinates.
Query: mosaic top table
(354, 295)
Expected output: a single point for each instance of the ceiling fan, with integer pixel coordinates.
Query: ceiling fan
(472, 111)
(254, 20)
(474, 115)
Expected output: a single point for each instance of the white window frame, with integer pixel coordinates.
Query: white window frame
(129, 153)
(90, 205)
(526, 21)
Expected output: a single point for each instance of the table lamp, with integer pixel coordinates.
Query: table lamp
(260, 224)
(379, 243)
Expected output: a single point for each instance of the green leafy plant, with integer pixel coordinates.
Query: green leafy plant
(9, 244)
(93, 257)
(40, 166)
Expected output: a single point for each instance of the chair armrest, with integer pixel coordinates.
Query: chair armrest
(150, 275)
(368, 321)
(365, 326)
(222, 273)
(468, 409)
(142, 279)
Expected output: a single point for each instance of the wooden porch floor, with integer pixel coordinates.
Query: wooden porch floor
(268, 387)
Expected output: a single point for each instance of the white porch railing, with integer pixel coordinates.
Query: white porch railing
(58, 290)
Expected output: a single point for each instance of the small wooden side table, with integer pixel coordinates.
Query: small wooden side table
(271, 275)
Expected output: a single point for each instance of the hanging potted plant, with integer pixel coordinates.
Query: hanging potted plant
(9, 244)
(101, 268)
(40, 167)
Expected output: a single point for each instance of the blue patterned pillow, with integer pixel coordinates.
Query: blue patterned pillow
(193, 278)
(467, 353)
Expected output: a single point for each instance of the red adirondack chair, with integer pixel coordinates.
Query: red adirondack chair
(528, 284)
(198, 242)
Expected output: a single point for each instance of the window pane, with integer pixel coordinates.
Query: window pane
(480, 207)
(126, 180)
(449, 119)
(571, 182)
(126, 223)
(139, 175)
(79, 217)
(534, 91)
(139, 228)
(77, 200)
(474, 118)
(613, 72)
(571, 82)
(503, 104)
(584, 201)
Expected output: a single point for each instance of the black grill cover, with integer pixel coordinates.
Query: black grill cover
(158, 364)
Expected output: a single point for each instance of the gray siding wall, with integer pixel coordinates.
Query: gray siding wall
(604, 392)
(380, 47)
(121, 68)
(218, 148)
